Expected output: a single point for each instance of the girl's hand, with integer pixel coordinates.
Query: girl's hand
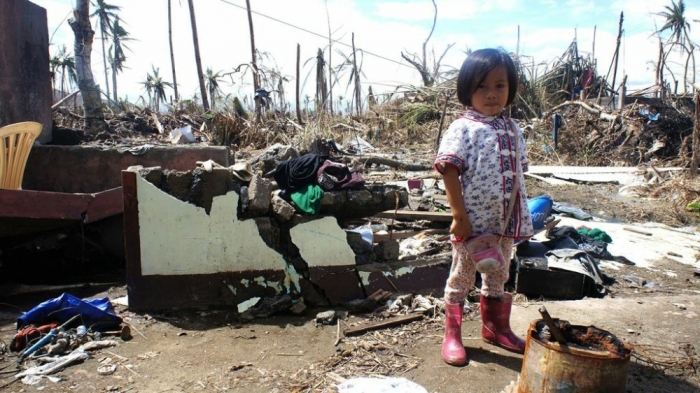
(461, 228)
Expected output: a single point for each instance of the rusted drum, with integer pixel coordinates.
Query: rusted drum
(552, 368)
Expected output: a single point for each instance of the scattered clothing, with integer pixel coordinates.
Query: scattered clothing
(335, 176)
(308, 198)
(571, 211)
(296, 173)
(595, 234)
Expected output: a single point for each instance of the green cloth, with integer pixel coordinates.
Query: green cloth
(308, 198)
(595, 234)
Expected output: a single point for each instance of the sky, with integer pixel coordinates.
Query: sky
(383, 30)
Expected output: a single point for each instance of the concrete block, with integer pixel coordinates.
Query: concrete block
(281, 210)
(260, 195)
(387, 250)
(179, 183)
(153, 175)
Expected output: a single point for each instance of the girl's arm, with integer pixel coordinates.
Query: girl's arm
(461, 227)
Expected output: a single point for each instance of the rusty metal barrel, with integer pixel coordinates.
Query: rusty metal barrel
(549, 367)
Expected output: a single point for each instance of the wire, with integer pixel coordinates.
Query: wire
(316, 34)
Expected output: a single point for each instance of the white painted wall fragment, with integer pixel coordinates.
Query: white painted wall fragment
(179, 238)
(323, 242)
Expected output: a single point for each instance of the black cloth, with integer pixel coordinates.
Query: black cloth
(596, 249)
(296, 173)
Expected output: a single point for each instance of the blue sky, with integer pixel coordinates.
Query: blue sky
(383, 29)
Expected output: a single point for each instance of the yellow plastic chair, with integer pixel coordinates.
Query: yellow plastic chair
(16, 141)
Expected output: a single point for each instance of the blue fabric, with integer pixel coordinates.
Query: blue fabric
(96, 314)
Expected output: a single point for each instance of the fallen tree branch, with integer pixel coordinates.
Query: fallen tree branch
(384, 324)
(389, 162)
(64, 99)
(586, 107)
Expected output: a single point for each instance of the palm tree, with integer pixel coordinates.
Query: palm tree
(172, 52)
(155, 87)
(63, 63)
(105, 13)
(198, 59)
(212, 81)
(117, 58)
(82, 47)
(679, 28)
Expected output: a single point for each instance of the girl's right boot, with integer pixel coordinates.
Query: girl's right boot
(453, 351)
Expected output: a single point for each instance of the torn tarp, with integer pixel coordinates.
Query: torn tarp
(95, 314)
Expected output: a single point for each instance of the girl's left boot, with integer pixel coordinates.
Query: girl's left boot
(495, 315)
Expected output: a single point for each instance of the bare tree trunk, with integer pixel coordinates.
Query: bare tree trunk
(696, 138)
(297, 87)
(104, 59)
(254, 62)
(358, 89)
(172, 52)
(89, 90)
(617, 53)
(195, 38)
(114, 60)
(330, 69)
(660, 70)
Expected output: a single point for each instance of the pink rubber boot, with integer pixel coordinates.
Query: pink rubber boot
(453, 351)
(495, 315)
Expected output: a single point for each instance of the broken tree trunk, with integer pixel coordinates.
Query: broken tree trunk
(589, 109)
(366, 161)
(89, 90)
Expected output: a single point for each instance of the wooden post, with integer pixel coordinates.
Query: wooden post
(696, 138)
(297, 89)
(623, 93)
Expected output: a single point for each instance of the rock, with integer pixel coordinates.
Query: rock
(260, 195)
(387, 250)
(153, 175)
(282, 211)
(326, 317)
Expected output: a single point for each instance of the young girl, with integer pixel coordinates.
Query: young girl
(479, 161)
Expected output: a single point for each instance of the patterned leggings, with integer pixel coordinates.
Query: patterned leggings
(463, 273)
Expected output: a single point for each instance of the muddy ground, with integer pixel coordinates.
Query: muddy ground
(210, 351)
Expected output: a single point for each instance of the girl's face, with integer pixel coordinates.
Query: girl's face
(491, 95)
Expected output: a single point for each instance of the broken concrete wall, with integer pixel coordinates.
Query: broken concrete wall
(193, 241)
(25, 82)
(87, 169)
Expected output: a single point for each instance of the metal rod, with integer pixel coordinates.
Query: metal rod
(552, 326)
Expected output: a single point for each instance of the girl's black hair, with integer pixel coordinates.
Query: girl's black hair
(477, 66)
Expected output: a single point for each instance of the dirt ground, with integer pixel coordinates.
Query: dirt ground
(209, 351)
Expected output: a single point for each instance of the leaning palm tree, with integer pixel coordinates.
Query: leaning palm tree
(172, 52)
(679, 27)
(211, 79)
(117, 57)
(197, 58)
(105, 13)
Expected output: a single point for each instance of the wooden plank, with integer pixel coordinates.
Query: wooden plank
(415, 215)
(384, 324)
(43, 204)
(105, 204)
(378, 237)
(550, 180)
